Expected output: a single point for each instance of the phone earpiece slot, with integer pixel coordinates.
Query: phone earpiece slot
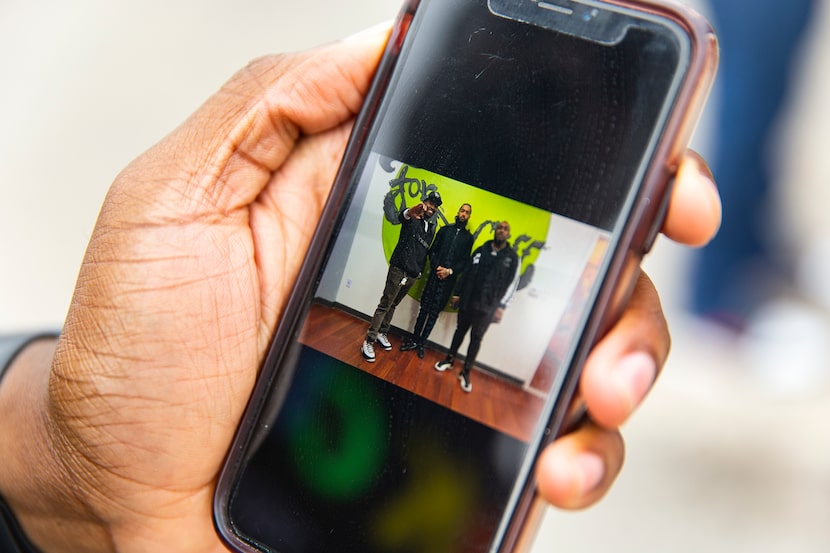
(588, 20)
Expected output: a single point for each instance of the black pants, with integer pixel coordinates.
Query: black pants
(476, 320)
(398, 284)
(434, 298)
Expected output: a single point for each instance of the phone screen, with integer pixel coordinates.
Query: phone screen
(545, 129)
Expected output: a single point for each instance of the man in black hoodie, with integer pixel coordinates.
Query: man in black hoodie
(483, 292)
(405, 266)
(448, 256)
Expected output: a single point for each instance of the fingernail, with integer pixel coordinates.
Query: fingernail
(636, 373)
(592, 470)
(702, 166)
(705, 171)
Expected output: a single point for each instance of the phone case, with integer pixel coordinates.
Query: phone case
(645, 221)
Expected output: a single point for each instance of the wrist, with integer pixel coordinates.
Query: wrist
(32, 475)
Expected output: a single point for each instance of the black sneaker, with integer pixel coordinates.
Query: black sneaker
(408, 345)
(464, 379)
(444, 365)
(420, 351)
(384, 342)
(368, 351)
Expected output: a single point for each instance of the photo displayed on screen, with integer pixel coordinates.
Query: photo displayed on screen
(480, 298)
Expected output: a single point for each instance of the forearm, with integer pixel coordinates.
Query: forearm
(33, 477)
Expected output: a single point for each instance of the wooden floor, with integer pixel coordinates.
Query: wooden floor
(494, 401)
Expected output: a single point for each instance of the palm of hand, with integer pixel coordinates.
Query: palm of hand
(189, 266)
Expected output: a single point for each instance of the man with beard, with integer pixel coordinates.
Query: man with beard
(447, 257)
(405, 267)
(483, 292)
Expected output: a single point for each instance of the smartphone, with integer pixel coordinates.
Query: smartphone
(566, 119)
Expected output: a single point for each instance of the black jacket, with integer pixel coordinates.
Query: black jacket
(490, 279)
(451, 248)
(410, 252)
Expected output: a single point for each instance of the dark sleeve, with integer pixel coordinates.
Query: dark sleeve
(12, 537)
(462, 254)
(510, 281)
(464, 278)
(435, 248)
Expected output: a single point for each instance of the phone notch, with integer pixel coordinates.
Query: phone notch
(587, 20)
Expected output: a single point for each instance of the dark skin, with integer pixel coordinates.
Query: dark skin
(501, 235)
(423, 210)
(113, 436)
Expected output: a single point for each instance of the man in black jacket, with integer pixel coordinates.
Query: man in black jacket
(483, 292)
(447, 258)
(405, 266)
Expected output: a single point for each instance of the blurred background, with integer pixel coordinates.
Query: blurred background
(732, 450)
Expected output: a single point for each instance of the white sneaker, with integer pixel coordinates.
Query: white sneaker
(466, 385)
(368, 351)
(384, 342)
(444, 365)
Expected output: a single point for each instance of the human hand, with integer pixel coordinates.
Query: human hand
(442, 272)
(579, 468)
(455, 302)
(417, 211)
(498, 314)
(197, 246)
(123, 432)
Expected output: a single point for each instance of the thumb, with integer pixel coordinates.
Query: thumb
(224, 154)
